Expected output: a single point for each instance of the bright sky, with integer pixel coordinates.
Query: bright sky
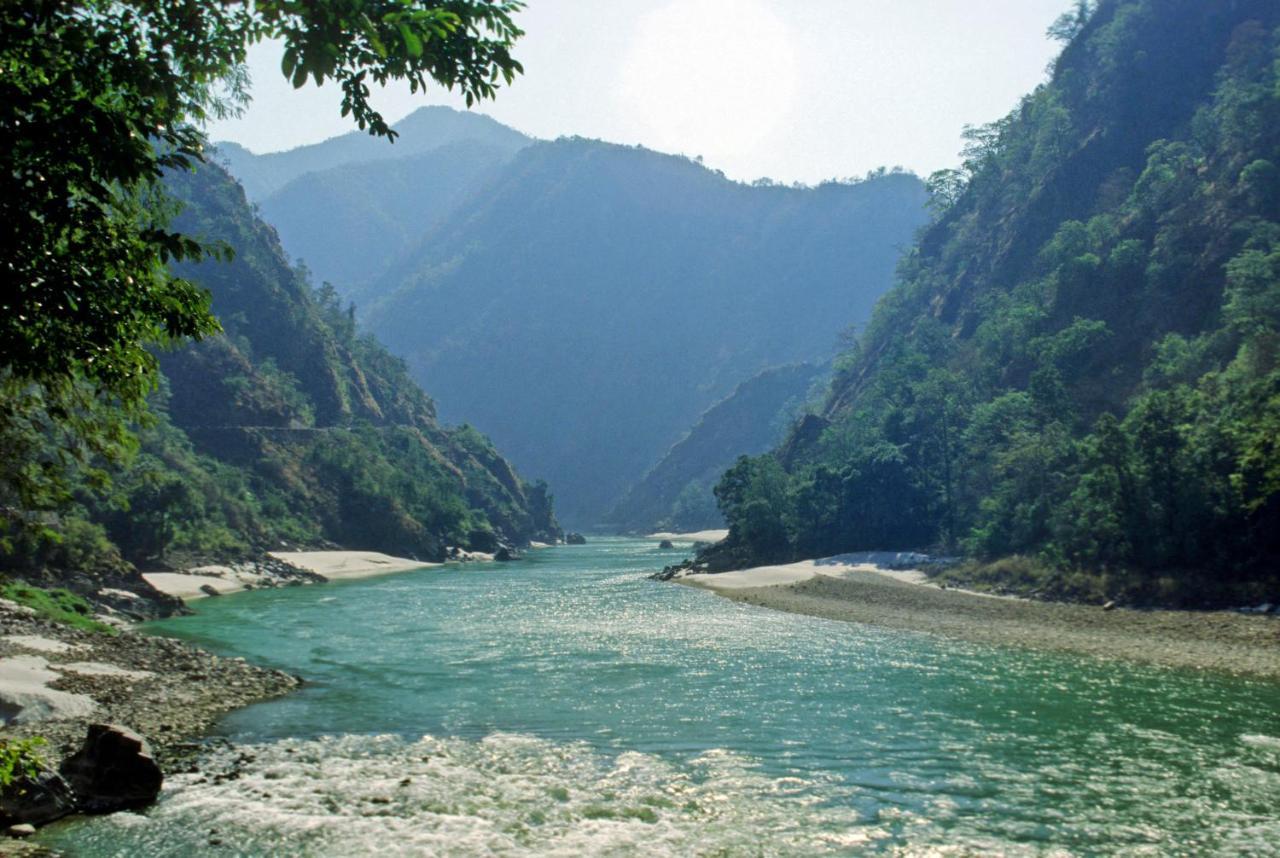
(790, 89)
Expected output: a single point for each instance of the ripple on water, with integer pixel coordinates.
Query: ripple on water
(576, 708)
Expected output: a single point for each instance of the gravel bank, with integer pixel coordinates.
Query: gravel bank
(1217, 640)
(168, 691)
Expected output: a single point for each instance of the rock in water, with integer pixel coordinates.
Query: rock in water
(113, 771)
(575, 539)
(666, 543)
(23, 829)
(504, 554)
(36, 800)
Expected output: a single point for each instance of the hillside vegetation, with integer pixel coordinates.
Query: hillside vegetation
(291, 428)
(1078, 364)
(676, 493)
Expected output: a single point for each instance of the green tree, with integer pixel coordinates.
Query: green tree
(97, 100)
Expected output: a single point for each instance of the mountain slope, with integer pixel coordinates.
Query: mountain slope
(320, 420)
(350, 223)
(590, 303)
(1079, 360)
(676, 493)
(425, 129)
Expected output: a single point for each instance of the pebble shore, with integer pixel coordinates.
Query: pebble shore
(1219, 641)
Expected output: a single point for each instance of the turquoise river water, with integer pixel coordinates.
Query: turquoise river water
(567, 705)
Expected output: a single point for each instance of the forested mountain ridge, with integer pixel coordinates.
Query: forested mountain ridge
(589, 303)
(676, 493)
(339, 411)
(425, 129)
(290, 428)
(1079, 360)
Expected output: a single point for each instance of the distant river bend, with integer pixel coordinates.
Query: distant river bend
(568, 705)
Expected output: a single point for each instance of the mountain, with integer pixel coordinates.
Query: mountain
(349, 224)
(676, 493)
(334, 440)
(425, 129)
(589, 303)
(1077, 368)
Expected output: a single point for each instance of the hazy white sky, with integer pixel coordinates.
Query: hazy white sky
(791, 89)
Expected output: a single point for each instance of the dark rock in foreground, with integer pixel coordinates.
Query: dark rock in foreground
(575, 539)
(36, 800)
(113, 771)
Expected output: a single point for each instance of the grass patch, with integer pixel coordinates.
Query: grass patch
(59, 605)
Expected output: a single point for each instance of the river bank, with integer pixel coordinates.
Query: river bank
(902, 599)
(56, 680)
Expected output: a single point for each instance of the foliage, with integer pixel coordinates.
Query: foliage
(97, 100)
(59, 605)
(1080, 364)
(20, 759)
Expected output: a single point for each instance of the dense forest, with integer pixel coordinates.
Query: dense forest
(290, 428)
(1075, 379)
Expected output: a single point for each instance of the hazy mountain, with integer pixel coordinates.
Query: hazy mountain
(425, 129)
(1079, 362)
(350, 223)
(592, 300)
(676, 493)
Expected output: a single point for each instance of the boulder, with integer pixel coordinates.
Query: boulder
(22, 829)
(575, 539)
(114, 770)
(504, 554)
(666, 543)
(36, 800)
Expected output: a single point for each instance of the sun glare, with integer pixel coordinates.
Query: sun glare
(709, 77)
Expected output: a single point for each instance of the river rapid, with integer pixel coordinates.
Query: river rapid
(567, 705)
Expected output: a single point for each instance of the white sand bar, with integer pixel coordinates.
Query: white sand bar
(793, 573)
(39, 644)
(341, 565)
(25, 695)
(695, 536)
(187, 587)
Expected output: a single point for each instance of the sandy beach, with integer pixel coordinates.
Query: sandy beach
(282, 568)
(845, 588)
(345, 565)
(692, 536)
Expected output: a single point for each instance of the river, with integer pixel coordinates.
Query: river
(567, 705)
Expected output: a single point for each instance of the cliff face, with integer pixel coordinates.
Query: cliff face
(1078, 362)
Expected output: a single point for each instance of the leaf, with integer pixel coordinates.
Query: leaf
(412, 43)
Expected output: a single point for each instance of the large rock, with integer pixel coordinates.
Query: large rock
(113, 771)
(575, 539)
(36, 800)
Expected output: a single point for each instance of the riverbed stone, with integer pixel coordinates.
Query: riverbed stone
(36, 800)
(114, 770)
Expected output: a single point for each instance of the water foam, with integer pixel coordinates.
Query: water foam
(502, 795)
